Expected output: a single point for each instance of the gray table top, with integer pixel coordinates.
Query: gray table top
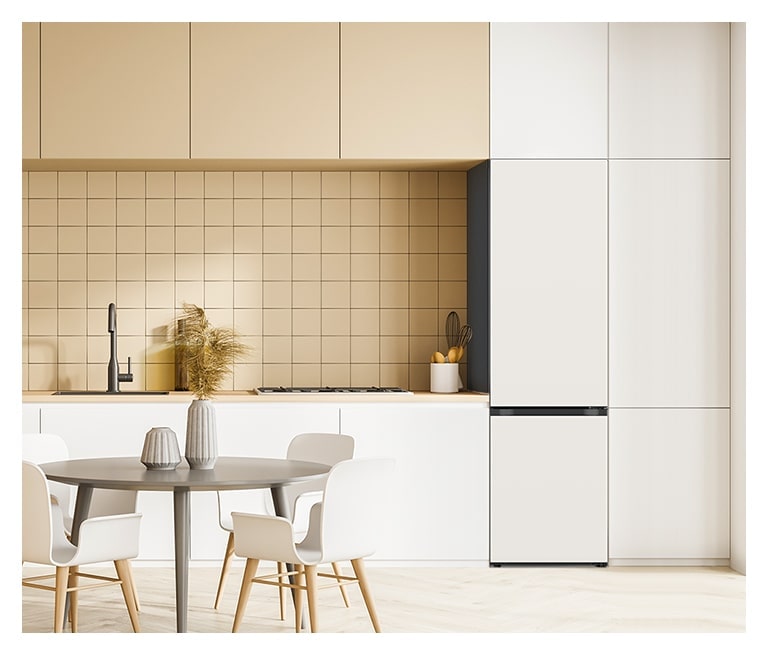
(228, 473)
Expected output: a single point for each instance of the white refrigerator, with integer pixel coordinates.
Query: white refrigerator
(547, 342)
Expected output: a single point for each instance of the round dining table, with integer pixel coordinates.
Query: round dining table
(229, 473)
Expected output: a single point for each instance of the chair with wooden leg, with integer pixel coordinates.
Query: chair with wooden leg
(49, 447)
(323, 447)
(101, 539)
(344, 526)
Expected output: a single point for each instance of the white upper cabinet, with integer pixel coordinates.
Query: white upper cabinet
(669, 277)
(414, 90)
(549, 90)
(265, 90)
(669, 90)
(548, 283)
(115, 90)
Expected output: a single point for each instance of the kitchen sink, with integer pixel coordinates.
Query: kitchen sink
(109, 393)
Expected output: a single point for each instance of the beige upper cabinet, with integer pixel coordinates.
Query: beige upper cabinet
(669, 90)
(115, 90)
(265, 90)
(414, 90)
(30, 90)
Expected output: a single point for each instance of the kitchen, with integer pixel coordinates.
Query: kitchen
(338, 257)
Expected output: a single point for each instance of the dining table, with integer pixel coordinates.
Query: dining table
(228, 473)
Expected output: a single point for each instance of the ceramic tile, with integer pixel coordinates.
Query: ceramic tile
(159, 211)
(364, 239)
(248, 376)
(160, 184)
(306, 239)
(70, 239)
(308, 375)
(365, 294)
(277, 294)
(218, 294)
(43, 350)
(335, 349)
(335, 239)
(72, 184)
(130, 266)
(42, 377)
(305, 294)
(423, 322)
(364, 212)
(274, 375)
(364, 322)
(393, 349)
(277, 350)
(335, 322)
(452, 267)
(102, 239)
(218, 267)
(452, 294)
(277, 322)
(160, 239)
(159, 294)
(132, 319)
(188, 266)
(131, 211)
(72, 267)
(42, 240)
(42, 295)
(421, 348)
(277, 184)
(335, 184)
(102, 184)
(72, 294)
(364, 266)
(393, 267)
(306, 184)
(72, 350)
(219, 211)
(248, 294)
(335, 211)
(131, 184)
(364, 375)
(131, 240)
(335, 267)
(393, 322)
(422, 184)
(452, 212)
(45, 211)
(42, 267)
(248, 239)
(102, 267)
(42, 322)
(276, 211)
(190, 291)
(394, 184)
(306, 212)
(393, 212)
(72, 321)
(43, 184)
(277, 266)
(248, 266)
(364, 184)
(247, 212)
(364, 349)
(336, 294)
(306, 350)
(248, 184)
(452, 184)
(276, 239)
(218, 239)
(189, 184)
(306, 322)
(160, 267)
(452, 239)
(423, 212)
(335, 375)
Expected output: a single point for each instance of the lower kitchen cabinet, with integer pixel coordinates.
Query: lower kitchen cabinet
(669, 484)
(438, 504)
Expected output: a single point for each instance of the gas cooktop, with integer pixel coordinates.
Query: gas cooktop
(343, 390)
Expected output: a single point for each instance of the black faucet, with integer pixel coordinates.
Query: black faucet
(114, 376)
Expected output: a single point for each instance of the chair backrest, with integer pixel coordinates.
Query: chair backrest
(48, 447)
(323, 447)
(42, 524)
(350, 517)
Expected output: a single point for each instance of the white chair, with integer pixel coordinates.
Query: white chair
(324, 447)
(345, 526)
(102, 539)
(49, 447)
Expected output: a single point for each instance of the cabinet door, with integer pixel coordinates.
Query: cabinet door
(549, 90)
(30, 90)
(439, 500)
(669, 277)
(414, 90)
(30, 418)
(669, 89)
(548, 283)
(265, 90)
(549, 489)
(115, 90)
(668, 483)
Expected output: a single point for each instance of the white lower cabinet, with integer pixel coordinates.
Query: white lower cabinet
(669, 484)
(438, 503)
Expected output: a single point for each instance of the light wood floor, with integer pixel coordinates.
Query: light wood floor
(436, 600)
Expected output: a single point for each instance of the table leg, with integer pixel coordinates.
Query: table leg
(181, 521)
(281, 509)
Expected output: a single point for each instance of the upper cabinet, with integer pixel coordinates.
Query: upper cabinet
(549, 90)
(669, 90)
(114, 90)
(414, 90)
(30, 90)
(265, 90)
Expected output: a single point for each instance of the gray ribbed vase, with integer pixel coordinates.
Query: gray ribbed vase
(161, 450)
(201, 449)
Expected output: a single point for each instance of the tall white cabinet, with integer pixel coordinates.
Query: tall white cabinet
(629, 121)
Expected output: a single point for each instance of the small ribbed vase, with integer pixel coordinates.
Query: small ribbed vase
(201, 449)
(161, 450)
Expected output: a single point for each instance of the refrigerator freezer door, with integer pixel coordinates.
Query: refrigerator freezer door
(549, 489)
(548, 283)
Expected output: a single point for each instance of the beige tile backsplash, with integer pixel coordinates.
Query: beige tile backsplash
(331, 277)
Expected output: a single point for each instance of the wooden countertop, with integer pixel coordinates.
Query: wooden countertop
(252, 397)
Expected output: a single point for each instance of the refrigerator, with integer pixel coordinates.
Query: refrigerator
(545, 339)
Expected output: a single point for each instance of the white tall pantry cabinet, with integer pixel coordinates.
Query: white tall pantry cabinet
(650, 101)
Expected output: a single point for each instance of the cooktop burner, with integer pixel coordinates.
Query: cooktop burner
(345, 390)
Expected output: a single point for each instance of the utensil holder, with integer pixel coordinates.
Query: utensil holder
(444, 378)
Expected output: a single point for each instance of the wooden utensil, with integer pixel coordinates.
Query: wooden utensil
(452, 329)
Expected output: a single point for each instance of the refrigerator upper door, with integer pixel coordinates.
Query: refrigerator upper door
(548, 283)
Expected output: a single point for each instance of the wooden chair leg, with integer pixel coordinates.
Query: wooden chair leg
(281, 590)
(365, 589)
(122, 568)
(62, 578)
(230, 551)
(298, 596)
(129, 569)
(245, 590)
(310, 573)
(342, 588)
(73, 597)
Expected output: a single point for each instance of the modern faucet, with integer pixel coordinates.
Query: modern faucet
(114, 376)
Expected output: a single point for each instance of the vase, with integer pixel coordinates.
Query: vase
(161, 450)
(201, 448)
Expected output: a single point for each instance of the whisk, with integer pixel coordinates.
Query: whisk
(465, 336)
